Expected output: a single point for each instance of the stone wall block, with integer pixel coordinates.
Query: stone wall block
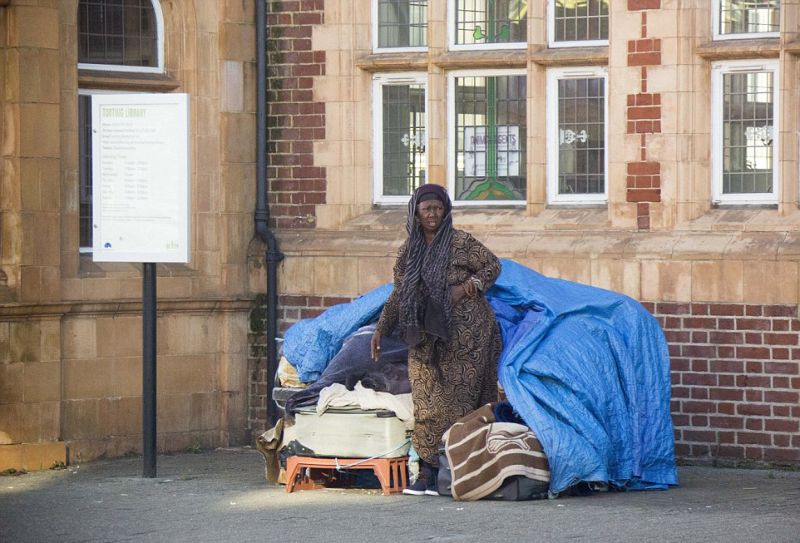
(79, 338)
(204, 411)
(206, 234)
(119, 336)
(374, 272)
(335, 276)
(173, 287)
(206, 117)
(238, 42)
(26, 341)
(30, 279)
(188, 334)
(39, 131)
(238, 135)
(85, 379)
(717, 281)
(36, 78)
(32, 26)
(41, 382)
(666, 281)
(127, 376)
(232, 86)
(11, 379)
(174, 411)
(296, 275)
(240, 187)
(571, 269)
(769, 282)
(81, 419)
(5, 343)
(617, 275)
(121, 416)
(186, 374)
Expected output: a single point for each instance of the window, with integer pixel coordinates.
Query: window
(577, 126)
(400, 158)
(734, 19)
(577, 22)
(488, 24)
(488, 136)
(745, 132)
(119, 36)
(400, 24)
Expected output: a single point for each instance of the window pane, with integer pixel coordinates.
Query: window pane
(118, 32)
(749, 16)
(580, 20)
(491, 21)
(581, 136)
(747, 123)
(490, 137)
(404, 159)
(85, 168)
(402, 23)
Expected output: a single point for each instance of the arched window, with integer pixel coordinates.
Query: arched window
(124, 36)
(120, 35)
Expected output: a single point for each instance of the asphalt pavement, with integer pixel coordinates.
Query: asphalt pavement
(222, 495)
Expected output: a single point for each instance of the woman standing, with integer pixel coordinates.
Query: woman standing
(438, 304)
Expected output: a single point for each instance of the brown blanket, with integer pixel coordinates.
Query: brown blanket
(482, 453)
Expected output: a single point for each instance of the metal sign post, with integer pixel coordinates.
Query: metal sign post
(140, 207)
(149, 369)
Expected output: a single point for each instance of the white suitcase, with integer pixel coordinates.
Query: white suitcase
(352, 433)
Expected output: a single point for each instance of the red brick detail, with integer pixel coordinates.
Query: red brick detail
(638, 5)
(644, 52)
(295, 120)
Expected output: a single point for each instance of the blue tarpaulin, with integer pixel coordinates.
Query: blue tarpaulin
(586, 368)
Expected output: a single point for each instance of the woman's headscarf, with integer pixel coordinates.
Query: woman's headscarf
(426, 312)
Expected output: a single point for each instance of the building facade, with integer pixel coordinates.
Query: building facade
(70, 328)
(644, 146)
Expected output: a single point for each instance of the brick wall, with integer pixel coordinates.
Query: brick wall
(295, 120)
(735, 380)
(735, 377)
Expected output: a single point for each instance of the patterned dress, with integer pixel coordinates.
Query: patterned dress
(466, 377)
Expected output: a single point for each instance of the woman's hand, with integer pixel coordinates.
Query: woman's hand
(467, 289)
(375, 345)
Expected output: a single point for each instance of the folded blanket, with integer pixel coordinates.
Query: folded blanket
(337, 395)
(482, 453)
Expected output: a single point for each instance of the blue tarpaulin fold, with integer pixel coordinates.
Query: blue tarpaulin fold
(586, 368)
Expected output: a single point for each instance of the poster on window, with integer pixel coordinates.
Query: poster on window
(140, 178)
(476, 147)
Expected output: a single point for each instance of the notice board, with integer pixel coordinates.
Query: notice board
(140, 178)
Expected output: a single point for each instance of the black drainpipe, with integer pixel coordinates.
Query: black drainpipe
(273, 254)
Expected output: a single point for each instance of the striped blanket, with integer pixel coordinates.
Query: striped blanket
(482, 453)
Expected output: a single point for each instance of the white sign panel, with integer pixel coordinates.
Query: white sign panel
(140, 177)
(507, 151)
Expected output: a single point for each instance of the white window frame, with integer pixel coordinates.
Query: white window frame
(551, 31)
(138, 69)
(717, 71)
(554, 75)
(718, 35)
(378, 82)
(451, 35)
(451, 137)
(375, 30)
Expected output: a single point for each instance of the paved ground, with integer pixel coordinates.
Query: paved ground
(221, 496)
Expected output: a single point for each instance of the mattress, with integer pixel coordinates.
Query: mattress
(351, 433)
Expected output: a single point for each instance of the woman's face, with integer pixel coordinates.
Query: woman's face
(430, 214)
